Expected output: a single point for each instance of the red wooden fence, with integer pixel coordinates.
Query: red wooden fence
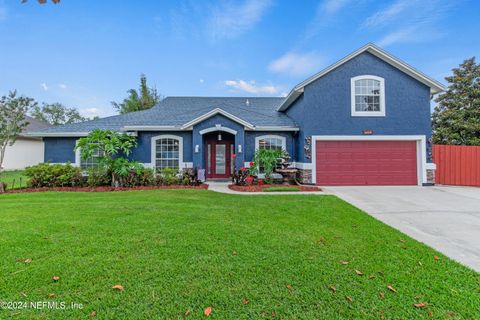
(457, 165)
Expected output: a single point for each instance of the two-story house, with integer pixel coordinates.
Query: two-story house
(364, 120)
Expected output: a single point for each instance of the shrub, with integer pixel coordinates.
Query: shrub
(266, 160)
(146, 177)
(239, 176)
(98, 177)
(169, 176)
(54, 175)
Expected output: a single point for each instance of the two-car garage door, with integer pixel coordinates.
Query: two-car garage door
(366, 163)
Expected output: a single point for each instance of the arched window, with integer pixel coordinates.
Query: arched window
(167, 152)
(271, 142)
(368, 96)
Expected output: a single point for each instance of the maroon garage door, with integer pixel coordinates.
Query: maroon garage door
(366, 163)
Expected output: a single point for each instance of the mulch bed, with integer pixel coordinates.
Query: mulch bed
(259, 188)
(105, 189)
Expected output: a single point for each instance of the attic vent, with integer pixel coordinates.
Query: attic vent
(247, 103)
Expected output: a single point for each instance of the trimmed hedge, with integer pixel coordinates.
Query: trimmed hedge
(54, 175)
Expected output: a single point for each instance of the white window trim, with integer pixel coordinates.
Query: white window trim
(274, 136)
(380, 113)
(153, 143)
(77, 155)
(421, 151)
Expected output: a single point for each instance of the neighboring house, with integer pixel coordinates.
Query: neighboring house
(365, 120)
(27, 150)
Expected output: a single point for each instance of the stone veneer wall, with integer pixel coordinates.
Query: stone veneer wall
(304, 175)
(431, 176)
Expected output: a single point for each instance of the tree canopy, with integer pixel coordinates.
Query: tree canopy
(13, 110)
(112, 148)
(143, 99)
(56, 114)
(456, 119)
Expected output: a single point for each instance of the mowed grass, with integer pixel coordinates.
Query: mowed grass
(280, 189)
(14, 179)
(257, 257)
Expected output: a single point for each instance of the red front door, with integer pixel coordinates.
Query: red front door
(218, 158)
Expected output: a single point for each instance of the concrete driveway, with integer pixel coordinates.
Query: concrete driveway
(445, 218)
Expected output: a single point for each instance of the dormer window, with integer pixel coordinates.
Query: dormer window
(368, 96)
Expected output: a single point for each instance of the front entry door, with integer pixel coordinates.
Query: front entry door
(219, 154)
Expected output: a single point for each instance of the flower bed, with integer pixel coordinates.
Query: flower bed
(261, 188)
(105, 188)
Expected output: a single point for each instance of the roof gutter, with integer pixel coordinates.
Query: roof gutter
(56, 134)
(151, 128)
(292, 96)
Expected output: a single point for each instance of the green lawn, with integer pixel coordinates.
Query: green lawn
(280, 189)
(14, 179)
(181, 250)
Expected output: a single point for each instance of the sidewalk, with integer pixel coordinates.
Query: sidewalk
(222, 187)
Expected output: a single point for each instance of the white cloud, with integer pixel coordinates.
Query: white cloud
(332, 6)
(201, 81)
(324, 14)
(44, 86)
(62, 86)
(251, 87)
(232, 19)
(398, 36)
(410, 21)
(91, 111)
(389, 13)
(297, 64)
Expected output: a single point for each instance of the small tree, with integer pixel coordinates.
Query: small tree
(266, 160)
(12, 122)
(456, 119)
(56, 114)
(143, 99)
(111, 147)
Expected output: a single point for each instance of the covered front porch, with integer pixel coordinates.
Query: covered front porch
(218, 144)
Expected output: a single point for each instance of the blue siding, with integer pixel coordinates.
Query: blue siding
(59, 150)
(199, 158)
(143, 151)
(250, 142)
(325, 106)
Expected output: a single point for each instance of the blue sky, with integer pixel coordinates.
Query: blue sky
(87, 53)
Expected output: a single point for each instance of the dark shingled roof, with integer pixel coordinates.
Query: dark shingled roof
(176, 111)
(35, 125)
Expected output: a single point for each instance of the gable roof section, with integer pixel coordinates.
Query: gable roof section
(215, 112)
(435, 86)
(180, 113)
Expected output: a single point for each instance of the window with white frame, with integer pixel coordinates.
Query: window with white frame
(270, 142)
(92, 162)
(368, 96)
(167, 152)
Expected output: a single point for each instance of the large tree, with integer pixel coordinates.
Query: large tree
(143, 99)
(12, 121)
(56, 114)
(456, 119)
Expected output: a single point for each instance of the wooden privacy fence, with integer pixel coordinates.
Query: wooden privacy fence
(457, 165)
